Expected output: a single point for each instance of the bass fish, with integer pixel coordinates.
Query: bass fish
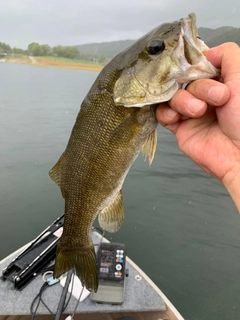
(116, 121)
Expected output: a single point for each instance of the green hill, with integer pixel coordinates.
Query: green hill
(214, 37)
(105, 51)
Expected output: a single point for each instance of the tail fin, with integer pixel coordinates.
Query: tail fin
(84, 262)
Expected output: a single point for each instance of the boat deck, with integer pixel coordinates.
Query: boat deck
(143, 300)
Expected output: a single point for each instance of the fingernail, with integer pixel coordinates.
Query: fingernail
(215, 93)
(194, 105)
(171, 113)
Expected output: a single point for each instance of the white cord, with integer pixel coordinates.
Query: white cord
(75, 309)
(46, 273)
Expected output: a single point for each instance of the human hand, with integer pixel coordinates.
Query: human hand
(205, 119)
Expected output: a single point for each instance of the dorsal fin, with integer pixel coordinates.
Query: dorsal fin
(149, 146)
(111, 218)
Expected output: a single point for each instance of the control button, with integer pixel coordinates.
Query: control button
(121, 261)
(117, 260)
(121, 251)
(116, 274)
(118, 267)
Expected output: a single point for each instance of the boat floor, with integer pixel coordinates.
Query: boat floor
(143, 300)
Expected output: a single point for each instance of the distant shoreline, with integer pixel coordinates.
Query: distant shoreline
(53, 62)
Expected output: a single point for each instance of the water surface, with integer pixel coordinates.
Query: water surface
(181, 226)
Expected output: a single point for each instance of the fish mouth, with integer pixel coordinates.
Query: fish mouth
(188, 54)
(192, 41)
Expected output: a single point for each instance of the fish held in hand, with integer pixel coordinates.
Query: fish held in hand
(116, 121)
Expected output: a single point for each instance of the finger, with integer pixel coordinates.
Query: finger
(213, 92)
(182, 106)
(218, 55)
(187, 105)
(228, 57)
(166, 115)
(169, 118)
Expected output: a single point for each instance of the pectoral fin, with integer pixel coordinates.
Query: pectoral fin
(111, 218)
(149, 146)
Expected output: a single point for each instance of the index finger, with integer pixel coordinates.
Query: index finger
(226, 57)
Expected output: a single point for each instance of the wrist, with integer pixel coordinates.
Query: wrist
(231, 181)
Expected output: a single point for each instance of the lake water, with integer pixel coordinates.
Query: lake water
(181, 226)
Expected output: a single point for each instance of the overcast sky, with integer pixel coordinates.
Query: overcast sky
(72, 22)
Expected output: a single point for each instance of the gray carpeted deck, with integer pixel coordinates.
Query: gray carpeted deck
(139, 296)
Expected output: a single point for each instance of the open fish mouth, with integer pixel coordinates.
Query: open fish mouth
(192, 42)
(188, 54)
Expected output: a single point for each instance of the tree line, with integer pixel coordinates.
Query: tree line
(36, 49)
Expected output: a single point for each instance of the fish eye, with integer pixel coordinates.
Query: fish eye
(155, 46)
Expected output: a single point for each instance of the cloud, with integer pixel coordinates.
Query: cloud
(70, 22)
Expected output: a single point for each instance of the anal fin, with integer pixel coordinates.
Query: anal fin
(111, 218)
(55, 172)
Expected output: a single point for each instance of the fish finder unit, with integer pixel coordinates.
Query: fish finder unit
(111, 258)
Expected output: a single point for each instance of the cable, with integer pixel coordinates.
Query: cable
(39, 296)
(62, 303)
(70, 293)
(75, 309)
(63, 296)
(40, 300)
